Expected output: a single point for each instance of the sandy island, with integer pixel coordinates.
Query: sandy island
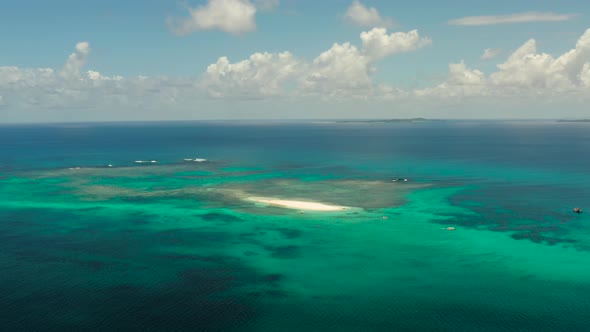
(298, 205)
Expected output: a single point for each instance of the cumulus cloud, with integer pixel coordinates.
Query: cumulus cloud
(585, 75)
(378, 44)
(524, 72)
(232, 16)
(71, 87)
(94, 75)
(76, 61)
(490, 53)
(527, 68)
(459, 74)
(512, 18)
(342, 72)
(344, 69)
(260, 75)
(12, 77)
(571, 61)
(361, 15)
(462, 81)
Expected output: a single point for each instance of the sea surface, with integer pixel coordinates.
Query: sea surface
(175, 245)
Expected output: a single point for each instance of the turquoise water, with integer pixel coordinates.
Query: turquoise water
(175, 246)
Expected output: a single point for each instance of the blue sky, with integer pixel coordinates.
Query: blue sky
(130, 39)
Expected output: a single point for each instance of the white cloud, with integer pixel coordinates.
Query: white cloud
(527, 68)
(94, 75)
(524, 73)
(42, 88)
(260, 75)
(512, 18)
(572, 61)
(17, 78)
(490, 53)
(97, 76)
(232, 16)
(461, 82)
(364, 16)
(342, 70)
(342, 73)
(378, 44)
(76, 61)
(585, 75)
(459, 74)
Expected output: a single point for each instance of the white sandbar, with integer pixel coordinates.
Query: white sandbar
(299, 205)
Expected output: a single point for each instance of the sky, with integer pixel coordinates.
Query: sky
(66, 60)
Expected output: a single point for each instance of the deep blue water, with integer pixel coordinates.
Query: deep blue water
(540, 145)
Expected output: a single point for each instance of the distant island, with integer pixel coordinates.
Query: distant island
(388, 120)
(580, 120)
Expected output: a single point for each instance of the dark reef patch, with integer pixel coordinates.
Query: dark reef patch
(86, 277)
(544, 224)
(181, 306)
(271, 278)
(210, 280)
(220, 217)
(191, 238)
(283, 252)
(289, 233)
(537, 237)
(191, 257)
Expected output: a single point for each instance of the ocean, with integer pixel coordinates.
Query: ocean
(177, 244)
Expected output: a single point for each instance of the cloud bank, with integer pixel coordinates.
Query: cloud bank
(525, 73)
(341, 73)
(344, 69)
(512, 18)
(72, 87)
